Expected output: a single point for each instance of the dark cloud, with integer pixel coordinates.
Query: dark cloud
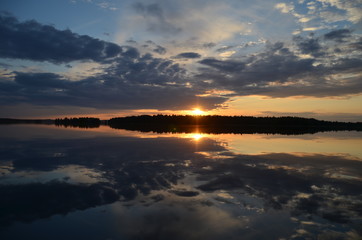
(155, 17)
(33, 41)
(40, 80)
(129, 81)
(209, 45)
(48, 199)
(130, 52)
(151, 9)
(279, 71)
(347, 64)
(105, 92)
(131, 41)
(282, 177)
(309, 46)
(225, 48)
(132, 80)
(338, 35)
(227, 66)
(185, 193)
(160, 50)
(188, 55)
(4, 65)
(357, 44)
(127, 177)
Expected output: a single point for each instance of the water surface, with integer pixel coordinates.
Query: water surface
(103, 183)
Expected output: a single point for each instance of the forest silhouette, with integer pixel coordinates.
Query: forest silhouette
(203, 124)
(85, 122)
(228, 124)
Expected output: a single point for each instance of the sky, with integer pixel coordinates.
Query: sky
(234, 57)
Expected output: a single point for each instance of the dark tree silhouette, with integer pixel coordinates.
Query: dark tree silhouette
(229, 124)
(206, 124)
(84, 122)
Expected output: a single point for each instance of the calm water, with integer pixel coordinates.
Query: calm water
(58, 183)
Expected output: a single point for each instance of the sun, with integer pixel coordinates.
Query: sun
(197, 111)
(197, 136)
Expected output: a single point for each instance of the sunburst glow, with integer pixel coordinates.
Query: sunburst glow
(197, 136)
(197, 111)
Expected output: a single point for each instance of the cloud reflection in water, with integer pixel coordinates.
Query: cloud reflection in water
(179, 188)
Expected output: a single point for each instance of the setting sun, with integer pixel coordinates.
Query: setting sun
(197, 136)
(197, 111)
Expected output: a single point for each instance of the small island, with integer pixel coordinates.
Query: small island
(83, 122)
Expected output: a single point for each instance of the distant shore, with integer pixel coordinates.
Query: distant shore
(205, 124)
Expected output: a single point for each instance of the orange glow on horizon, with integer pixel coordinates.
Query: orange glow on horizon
(197, 136)
(198, 111)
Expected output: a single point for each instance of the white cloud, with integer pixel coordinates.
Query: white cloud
(185, 26)
(296, 32)
(7, 75)
(227, 54)
(310, 29)
(322, 14)
(290, 9)
(106, 5)
(304, 19)
(285, 8)
(352, 8)
(204, 23)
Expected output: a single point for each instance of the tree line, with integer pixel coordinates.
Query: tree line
(208, 124)
(82, 122)
(229, 124)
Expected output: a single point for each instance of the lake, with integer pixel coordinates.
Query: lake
(103, 183)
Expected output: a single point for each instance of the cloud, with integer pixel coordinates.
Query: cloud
(156, 20)
(224, 66)
(181, 26)
(294, 173)
(322, 14)
(104, 92)
(276, 64)
(99, 3)
(309, 46)
(227, 54)
(284, 8)
(357, 44)
(209, 45)
(40, 80)
(352, 8)
(107, 5)
(160, 50)
(188, 55)
(125, 78)
(303, 196)
(128, 80)
(46, 200)
(224, 48)
(315, 185)
(128, 84)
(31, 40)
(338, 35)
(311, 69)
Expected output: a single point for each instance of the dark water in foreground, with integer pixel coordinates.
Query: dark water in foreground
(58, 183)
